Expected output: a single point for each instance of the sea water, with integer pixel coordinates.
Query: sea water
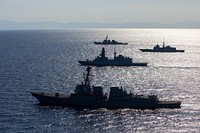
(47, 60)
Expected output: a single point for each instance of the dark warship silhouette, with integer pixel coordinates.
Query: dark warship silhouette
(110, 42)
(119, 60)
(87, 96)
(164, 48)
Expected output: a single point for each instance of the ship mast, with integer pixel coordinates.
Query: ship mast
(115, 52)
(163, 43)
(87, 76)
(106, 37)
(103, 53)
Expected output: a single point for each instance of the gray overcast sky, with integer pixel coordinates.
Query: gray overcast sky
(115, 11)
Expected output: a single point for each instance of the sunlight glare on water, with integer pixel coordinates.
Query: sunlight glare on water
(47, 60)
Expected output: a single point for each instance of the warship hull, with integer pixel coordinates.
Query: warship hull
(101, 43)
(93, 102)
(151, 50)
(91, 63)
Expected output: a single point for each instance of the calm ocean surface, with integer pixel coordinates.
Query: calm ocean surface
(46, 60)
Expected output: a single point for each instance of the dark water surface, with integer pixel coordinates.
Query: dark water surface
(47, 61)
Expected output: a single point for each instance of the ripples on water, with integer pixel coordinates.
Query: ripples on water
(47, 61)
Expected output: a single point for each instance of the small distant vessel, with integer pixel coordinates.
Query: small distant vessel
(110, 42)
(87, 96)
(119, 60)
(164, 48)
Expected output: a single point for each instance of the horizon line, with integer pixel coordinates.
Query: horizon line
(9, 24)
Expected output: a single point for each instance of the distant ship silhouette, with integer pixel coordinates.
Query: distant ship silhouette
(109, 42)
(164, 48)
(119, 60)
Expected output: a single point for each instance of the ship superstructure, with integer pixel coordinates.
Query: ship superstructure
(163, 48)
(110, 42)
(119, 60)
(87, 96)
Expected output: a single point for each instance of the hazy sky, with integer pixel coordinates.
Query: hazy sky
(115, 11)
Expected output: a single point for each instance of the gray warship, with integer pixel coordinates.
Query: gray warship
(87, 96)
(110, 42)
(164, 48)
(119, 60)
